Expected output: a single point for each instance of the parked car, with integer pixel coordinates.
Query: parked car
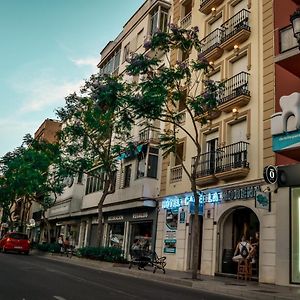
(15, 241)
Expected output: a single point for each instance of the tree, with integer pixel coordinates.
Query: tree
(165, 88)
(96, 125)
(31, 173)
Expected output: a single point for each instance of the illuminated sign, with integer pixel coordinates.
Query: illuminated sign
(184, 200)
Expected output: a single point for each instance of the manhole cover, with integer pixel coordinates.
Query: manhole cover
(265, 291)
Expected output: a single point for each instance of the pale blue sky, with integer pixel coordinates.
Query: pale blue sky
(47, 48)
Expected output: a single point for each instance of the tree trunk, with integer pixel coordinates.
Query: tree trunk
(47, 227)
(100, 216)
(195, 234)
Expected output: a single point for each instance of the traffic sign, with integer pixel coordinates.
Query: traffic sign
(270, 174)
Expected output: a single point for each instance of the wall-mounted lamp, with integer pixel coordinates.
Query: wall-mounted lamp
(295, 20)
(211, 63)
(236, 50)
(235, 112)
(213, 11)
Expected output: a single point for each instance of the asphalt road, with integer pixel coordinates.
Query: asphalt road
(34, 278)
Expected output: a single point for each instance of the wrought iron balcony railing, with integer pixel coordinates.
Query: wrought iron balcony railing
(206, 165)
(232, 156)
(233, 87)
(235, 24)
(148, 134)
(223, 159)
(211, 41)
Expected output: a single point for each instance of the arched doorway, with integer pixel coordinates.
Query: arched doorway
(233, 224)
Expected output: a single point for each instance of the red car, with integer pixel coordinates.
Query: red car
(15, 241)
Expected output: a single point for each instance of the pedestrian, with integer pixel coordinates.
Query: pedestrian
(60, 242)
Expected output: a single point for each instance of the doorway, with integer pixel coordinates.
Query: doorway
(238, 222)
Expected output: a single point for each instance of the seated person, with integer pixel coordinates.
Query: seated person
(242, 250)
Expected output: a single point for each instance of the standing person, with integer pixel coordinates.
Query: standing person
(60, 242)
(242, 250)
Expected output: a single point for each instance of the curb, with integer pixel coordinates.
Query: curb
(217, 287)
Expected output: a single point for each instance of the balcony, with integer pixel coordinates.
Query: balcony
(236, 30)
(207, 5)
(226, 163)
(235, 93)
(205, 169)
(186, 21)
(231, 161)
(289, 54)
(210, 45)
(149, 135)
(176, 174)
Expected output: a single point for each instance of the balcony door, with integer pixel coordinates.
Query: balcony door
(211, 148)
(238, 135)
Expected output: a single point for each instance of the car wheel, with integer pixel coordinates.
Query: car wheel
(26, 252)
(3, 250)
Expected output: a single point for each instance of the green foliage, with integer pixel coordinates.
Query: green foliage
(49, 247)
(31, 173)
(96, 124)
(109, 254)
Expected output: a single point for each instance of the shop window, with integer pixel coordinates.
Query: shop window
(142, 232)
(172, 219)
(127, 175)
(115, 235)
(295, 233)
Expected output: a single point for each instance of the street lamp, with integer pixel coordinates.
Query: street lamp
(295, 20)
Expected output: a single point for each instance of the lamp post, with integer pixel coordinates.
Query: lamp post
(295, 20)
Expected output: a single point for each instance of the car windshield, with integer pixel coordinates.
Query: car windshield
(18, 236)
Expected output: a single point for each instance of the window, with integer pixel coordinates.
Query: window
(141, 165)
(140, 39)
(95, 181)
(182, 101)
(112, 63)
(126, 52)
(187, 8)
(179, 154)
(159, 20)
(127, 175)
(152, 162)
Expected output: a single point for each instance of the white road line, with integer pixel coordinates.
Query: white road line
(59, 298)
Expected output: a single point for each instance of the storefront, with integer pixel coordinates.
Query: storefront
(174, 231)
(124, 227)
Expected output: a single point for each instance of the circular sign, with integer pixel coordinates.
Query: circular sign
(270, 174)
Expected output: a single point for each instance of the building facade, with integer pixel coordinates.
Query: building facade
(237, 40)
(285, 142)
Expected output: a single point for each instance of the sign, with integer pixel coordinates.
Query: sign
(262, 200)
(140, 215)
(115, 218)
(177, 201)
(285, 125)
(240, 193)
(270, 174)
(170, 246)
(192, 208)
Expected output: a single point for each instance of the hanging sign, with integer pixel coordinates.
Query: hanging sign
(262, 200)
(270, 174)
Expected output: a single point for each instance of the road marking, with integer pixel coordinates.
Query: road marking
(59, 298)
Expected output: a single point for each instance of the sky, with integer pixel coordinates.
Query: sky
(47, 49)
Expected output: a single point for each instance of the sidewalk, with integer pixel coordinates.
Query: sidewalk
(219, 285)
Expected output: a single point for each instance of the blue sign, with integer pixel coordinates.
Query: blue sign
(286, 141)
(192, 208)
(184, 200)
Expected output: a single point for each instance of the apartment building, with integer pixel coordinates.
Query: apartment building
(285, 140)
(131, 211)
(237, 40)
